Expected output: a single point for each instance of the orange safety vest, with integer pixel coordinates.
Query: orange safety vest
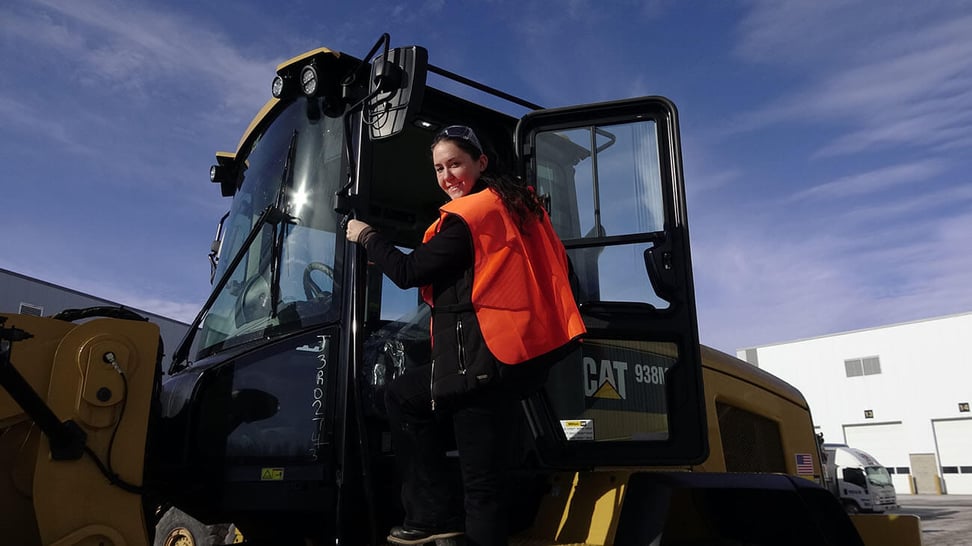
(520, 292)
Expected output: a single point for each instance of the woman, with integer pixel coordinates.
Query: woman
(495, 274)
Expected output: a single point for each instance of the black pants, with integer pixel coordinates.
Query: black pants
(484, 427)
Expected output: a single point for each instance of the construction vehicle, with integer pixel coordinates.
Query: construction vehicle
(860, 482)
(270, 414)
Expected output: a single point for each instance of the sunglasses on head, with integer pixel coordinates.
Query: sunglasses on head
(462, 132)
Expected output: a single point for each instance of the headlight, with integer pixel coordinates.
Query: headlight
(277, 87)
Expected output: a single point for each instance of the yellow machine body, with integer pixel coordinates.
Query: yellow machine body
(71, 502)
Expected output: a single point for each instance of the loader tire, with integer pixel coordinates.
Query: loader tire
(176, 528)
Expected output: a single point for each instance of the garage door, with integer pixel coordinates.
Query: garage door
(886, 443)
(953, 440)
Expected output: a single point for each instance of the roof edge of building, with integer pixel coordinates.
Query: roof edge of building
(858, 330)
(86, 295)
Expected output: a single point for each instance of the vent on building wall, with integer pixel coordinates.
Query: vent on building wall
(32, 310)
(752, 356)
(857, 367)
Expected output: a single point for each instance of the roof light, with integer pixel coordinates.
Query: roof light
(308, 80)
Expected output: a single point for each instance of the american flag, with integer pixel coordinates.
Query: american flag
(804, 463)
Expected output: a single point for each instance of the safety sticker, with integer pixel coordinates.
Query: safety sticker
(578, 429)
(271, 474)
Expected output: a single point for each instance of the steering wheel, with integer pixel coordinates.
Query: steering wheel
(253, 301)
(312, 290)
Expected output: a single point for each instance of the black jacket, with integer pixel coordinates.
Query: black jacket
(446, 262)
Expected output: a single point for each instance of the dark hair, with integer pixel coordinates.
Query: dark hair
(520, 200)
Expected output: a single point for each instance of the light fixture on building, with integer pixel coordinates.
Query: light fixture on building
(868, 414)
(964, 407)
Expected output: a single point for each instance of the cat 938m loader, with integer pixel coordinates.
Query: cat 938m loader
(270, 416)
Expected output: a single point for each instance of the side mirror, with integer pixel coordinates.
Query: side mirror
(397, 86)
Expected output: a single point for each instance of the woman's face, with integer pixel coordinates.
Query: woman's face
(456, 170)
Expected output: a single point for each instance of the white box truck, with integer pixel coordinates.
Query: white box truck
(860, 482)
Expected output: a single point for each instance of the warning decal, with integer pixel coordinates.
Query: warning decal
(578, 429)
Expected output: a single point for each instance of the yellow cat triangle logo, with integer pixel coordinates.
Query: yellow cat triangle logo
(607, 390)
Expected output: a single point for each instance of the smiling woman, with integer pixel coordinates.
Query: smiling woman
(456, 169)
(495, 275)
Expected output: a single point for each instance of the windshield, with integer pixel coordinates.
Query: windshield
(285, 280)
(878, 475)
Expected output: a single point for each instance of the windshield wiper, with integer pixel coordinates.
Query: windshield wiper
(280, 232)
(272, 215)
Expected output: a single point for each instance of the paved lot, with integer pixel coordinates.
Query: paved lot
(946, 520)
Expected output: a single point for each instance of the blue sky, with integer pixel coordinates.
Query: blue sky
(826, 143)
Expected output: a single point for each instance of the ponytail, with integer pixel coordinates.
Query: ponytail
(521, 201)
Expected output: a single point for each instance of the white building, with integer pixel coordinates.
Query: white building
(900, 392)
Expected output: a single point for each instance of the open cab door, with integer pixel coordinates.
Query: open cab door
(610, 175)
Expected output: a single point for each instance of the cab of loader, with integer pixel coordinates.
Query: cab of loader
(271, 413)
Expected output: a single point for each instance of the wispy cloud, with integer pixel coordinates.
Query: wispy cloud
(930, 201)
(125, 105)
(899, 79)
(757, 287)
(883, 105)
(753, 289)
(27, 120)
(874, 181)
(140, 45)
(134, 90)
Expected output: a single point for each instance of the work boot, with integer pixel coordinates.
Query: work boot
(407, 535)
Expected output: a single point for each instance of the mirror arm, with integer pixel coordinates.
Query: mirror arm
(215, 248)
(350, 78)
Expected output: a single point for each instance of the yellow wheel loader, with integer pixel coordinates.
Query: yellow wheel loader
(269, 416)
